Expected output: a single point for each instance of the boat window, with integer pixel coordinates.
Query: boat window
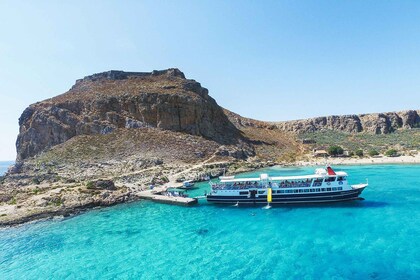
(295, 191)
(340, 188)
(261, 192)
(334, 189)
(311, 190)
(323, 189)
(306, 190)
(243, 192)
(280, 191)
(317, 182)
(330, 179)
(318, 190)
(341, 178)
(295, 183)
(328, 189)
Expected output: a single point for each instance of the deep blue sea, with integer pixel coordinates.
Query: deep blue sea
(378, 238)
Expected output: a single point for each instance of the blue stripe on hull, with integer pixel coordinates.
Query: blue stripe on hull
(289, 198)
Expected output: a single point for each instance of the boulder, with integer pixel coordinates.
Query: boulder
(105, 185)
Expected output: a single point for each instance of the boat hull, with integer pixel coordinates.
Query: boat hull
(300, 198)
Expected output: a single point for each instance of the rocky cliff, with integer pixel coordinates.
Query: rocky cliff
(378, 123)
(104, 102)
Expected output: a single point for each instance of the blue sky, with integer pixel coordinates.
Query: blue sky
(268, 60)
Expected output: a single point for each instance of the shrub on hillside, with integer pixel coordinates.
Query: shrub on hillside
(90, 185)
(335, 150)
(359, 153)
(391, 153)
(373, 153)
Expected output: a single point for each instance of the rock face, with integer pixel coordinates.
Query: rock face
(101, 103)
(106, 102)
(380, 123)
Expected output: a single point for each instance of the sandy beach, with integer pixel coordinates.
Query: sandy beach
(415, 159)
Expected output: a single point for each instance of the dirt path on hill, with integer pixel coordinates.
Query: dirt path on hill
(172, 177)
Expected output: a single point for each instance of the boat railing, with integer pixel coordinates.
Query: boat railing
(219, 186)
(216, 186)
(302, 184)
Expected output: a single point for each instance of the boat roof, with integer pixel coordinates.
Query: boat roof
(282, 178)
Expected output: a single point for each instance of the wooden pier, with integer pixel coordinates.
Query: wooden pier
(157, 196)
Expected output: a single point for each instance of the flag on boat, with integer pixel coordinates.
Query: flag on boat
(330, 171)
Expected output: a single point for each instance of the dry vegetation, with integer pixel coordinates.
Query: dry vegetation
(401, 140)
(91, 90)
(273, 144)
(122, 144)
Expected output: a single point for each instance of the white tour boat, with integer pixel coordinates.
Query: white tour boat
(325, 185)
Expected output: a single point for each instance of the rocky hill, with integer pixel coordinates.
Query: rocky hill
(104, 102)
(377, 123)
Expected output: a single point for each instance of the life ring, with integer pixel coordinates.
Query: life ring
(340, 183)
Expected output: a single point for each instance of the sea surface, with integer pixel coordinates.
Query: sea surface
(4, 165)
(378, 238)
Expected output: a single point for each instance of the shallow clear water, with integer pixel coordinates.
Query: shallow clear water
(4, 165)
(378, 238)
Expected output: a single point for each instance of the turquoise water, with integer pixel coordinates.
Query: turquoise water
(378, 238)
(4, 165)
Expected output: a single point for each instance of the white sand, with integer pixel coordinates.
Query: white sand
(360, 161)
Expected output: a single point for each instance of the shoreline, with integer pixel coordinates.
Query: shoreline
(50, 213)
(59, 214)
(359, 161)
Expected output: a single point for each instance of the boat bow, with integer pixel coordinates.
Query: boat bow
(359, 186)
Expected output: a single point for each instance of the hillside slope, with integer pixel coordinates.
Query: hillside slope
(156, 118)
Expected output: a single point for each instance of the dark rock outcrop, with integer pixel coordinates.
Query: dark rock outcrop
(104, 185)
(101, 103)
(378, 123)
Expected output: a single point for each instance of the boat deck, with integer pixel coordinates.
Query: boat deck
(157, 196)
